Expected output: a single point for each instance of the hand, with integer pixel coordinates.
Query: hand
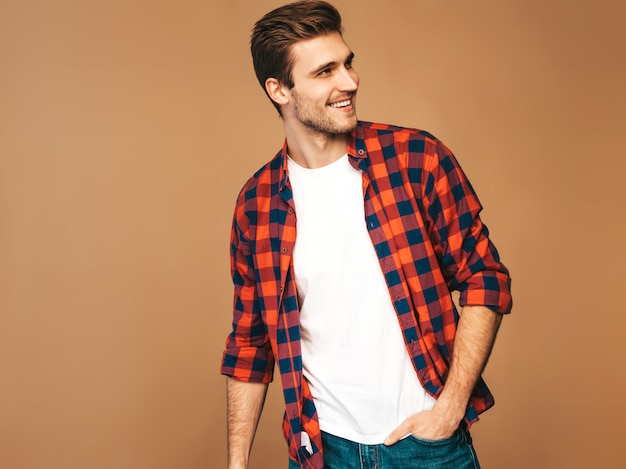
(430, 424)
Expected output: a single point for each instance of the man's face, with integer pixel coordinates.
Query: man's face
(325, 85)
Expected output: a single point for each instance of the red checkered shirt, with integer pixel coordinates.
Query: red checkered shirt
(423, 219)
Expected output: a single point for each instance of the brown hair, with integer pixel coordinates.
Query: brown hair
(275, 33)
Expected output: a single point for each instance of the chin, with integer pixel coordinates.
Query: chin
(350, 126)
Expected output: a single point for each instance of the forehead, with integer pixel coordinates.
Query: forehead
(309, 54)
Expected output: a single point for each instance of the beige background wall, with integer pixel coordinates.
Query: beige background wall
(126, 131)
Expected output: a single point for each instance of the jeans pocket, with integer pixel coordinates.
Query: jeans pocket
(452, 439)
(455, 452)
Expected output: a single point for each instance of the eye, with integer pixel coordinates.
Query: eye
(326, 71)
(349, 61)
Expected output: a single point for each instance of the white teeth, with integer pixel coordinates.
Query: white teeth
(342, 104)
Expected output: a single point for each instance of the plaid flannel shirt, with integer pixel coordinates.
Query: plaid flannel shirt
(423, 218)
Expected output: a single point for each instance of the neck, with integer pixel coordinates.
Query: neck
(312, 149)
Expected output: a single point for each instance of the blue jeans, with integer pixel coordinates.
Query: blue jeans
(456, 452)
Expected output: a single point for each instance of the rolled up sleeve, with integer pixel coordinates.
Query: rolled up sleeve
(469, 260)
(248, 355)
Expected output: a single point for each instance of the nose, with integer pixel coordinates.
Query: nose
(349, 79)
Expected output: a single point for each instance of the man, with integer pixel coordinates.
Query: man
(345, 248)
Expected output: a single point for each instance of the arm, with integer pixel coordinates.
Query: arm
(471, 264)
(475, 337)
(244, 405)
(247, 361)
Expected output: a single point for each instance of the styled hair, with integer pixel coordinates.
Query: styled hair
(275, 33)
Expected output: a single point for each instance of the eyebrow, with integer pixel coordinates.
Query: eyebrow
(332, 64)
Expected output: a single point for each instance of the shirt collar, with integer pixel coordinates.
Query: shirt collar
(356, 145)
(356, 149)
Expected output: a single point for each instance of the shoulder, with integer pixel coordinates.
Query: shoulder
(407, 139)
(261, 182)
(411, 147)
(377, 128)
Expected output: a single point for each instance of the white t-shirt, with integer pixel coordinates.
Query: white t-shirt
(353, 353)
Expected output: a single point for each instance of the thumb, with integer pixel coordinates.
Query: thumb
(398, 433)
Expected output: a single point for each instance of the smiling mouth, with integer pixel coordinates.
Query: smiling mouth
(341, 104)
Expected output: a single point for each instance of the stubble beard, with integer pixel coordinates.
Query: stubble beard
(319, 122)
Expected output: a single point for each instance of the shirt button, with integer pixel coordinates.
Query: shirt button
(290, 210)
(284, 250)
(361, 152)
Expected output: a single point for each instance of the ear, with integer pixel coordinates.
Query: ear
(276, 91)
